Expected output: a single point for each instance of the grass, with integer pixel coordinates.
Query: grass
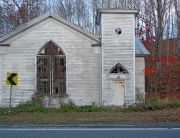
(108, 117)
(35, 113)
(153, 106)
(38, 107)
(81, 109)
(70, 107)
(32, 107)
(24, 107)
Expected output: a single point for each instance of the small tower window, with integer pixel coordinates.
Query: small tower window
(118, 68)
(118, 31)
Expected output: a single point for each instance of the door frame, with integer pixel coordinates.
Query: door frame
(112, 87)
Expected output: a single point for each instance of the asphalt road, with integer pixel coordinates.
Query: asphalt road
(89, 132)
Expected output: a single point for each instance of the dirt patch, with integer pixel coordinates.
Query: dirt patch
(114, 117)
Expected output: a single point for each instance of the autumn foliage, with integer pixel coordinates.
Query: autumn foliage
(14, 13)
(167, 78)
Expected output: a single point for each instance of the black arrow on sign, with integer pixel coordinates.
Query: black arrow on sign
(10, 78)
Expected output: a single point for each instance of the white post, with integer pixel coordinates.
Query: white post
(10, 100)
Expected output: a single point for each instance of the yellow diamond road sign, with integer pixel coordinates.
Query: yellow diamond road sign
(11, 78)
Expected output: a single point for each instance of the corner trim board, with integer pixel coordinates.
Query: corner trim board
(1, 101)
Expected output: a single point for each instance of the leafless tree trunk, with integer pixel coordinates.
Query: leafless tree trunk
(177, 10)
(1, 22)
(157, 11)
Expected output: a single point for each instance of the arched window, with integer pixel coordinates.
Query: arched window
(51, 70)
(118, 68)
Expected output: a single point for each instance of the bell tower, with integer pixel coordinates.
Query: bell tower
(117, 30)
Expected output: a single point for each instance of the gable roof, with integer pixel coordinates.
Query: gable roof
(140, 50)
(45, 16)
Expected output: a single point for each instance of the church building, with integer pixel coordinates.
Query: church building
(59, 61)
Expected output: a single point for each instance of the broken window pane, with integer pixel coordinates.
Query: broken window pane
(51, 70)
(118, 68)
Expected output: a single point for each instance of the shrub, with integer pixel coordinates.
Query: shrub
(154, 105)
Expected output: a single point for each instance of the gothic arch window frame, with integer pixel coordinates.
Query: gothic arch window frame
(52, 90)
(118, 68)
(41, 48)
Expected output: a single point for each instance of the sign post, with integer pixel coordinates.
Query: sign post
(12, 79)
(10, 100)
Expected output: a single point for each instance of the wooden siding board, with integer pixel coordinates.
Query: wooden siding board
(82, 63)
(117, 49)
(140, 76)
(3, 49)
(0, 80)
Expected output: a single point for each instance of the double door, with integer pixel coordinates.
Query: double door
(51, 74)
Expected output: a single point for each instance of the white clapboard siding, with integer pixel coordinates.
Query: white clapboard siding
(83, 70)
(140, 76)
(0, 80)
(117, 49)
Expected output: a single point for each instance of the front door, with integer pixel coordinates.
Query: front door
(118, 93)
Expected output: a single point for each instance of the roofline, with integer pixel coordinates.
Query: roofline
(141, 55)
(4, 44)
(136, 55)
(24, 26)
(43, 17)
(114, 11)
(76, 27)
(96, 44)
